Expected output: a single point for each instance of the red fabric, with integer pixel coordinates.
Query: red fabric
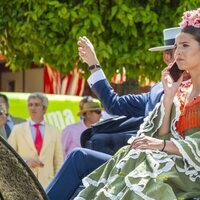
(189, 116)
(52, 82)
(80, 86)
(74, 83)
(118, 77)
(66, 80)
(38, 138)
(70, 84)
(190, 111)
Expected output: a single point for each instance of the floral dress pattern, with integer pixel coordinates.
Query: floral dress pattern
(151, 174)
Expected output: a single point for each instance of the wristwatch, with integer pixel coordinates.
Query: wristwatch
(92, 67)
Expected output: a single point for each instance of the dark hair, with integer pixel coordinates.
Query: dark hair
(170, 52)
(4, 97)
(194, 31)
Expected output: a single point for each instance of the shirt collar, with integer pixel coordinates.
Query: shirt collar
(9, 118)
(33, 123)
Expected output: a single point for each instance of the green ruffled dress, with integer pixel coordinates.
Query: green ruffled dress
(149, 174)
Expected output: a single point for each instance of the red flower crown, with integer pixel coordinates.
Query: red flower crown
(191, 18)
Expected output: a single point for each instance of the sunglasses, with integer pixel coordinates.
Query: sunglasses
(98, 112)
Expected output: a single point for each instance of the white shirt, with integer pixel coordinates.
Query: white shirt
(95, 77)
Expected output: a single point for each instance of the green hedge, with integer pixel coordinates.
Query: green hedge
(121, 31)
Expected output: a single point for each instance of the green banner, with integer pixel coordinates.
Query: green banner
(62, 109)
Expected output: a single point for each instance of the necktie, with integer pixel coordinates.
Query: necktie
(7, 129)
(38, 138)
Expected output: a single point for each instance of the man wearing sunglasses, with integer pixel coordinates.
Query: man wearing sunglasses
(90, 113)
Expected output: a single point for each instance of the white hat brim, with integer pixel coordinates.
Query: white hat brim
(162, 48)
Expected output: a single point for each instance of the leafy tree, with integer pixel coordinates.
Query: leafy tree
(35, 31)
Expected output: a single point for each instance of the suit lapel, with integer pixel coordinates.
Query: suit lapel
(28, 136)
(46, 137)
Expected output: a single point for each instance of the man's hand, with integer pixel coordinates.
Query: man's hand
(32, 163)
(86, 51)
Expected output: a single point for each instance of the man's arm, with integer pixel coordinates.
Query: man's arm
(58, 155)
(128, 105)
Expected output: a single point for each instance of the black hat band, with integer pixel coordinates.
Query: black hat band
(169, 42)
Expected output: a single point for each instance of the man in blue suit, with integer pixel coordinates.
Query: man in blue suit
(83, 161)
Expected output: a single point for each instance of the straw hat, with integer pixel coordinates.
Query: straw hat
(169, 39)
(89, 106)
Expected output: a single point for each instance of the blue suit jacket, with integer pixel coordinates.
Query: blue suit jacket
(130, 105)
(134, 107)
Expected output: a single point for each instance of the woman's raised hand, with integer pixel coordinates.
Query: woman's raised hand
(170, 87)
(86, 51)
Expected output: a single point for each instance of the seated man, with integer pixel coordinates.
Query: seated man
(82, 161)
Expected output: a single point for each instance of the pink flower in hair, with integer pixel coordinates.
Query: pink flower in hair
(197, 22)
(191, 18)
